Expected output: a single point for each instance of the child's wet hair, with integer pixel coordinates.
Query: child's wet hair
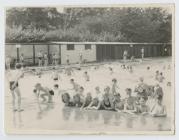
(51, 92)
(159, 97)
(18, 66)
(97, 88)
(118, 95)
(37, 85)
(114, 80)
(141, 79)
(65, 95)
(82, 88)
(107, 88)
(56, 85)
(129, 90)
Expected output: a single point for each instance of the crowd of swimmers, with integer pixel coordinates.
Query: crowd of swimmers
(148, 99)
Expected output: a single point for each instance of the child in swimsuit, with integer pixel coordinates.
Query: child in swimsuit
(159, 110)
(55, 75)
(86, 76)
(68, 71)
(161, 77)
(158, 91)
(88, 100)
(107, 102)
(111, 70)
(66, 99)
(142, 107)
(114, 87)
(14, 76)
(75, 85)
(157, 75)
(129, 105)
(44, 93)
(96, 101)
(118, 103)
(79, 98)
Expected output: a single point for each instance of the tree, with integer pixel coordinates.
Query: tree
(131, 24)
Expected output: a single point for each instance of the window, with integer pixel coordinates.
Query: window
(87, 46)
(70, 47)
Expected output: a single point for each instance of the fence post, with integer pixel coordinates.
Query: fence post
(33, 54)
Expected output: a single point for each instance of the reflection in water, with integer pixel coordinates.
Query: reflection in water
(101, 117)
(143, 120)
(159, 122)
(89, 115)
(117, 117)
(96, 116)
(66, 112)
(79, 115)
(17, 120)
(43, 109)
(129, 121)
(107, 115)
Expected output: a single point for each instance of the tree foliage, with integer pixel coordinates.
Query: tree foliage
(88, 24)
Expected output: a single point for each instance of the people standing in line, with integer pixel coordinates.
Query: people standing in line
(40, 56)
(125, 55)
(142, 53)
(8, 63)
(81, 58)
(67, 59)
(45, 59)
(22, 59)
(54, 59)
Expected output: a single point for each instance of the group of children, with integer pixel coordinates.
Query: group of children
(43, 59)
(148, 99)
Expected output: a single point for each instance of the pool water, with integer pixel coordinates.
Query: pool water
(54, 117)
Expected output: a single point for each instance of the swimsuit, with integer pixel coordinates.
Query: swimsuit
(55, 79)
(12, 83)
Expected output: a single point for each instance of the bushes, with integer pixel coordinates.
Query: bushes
(17, 35)
(115, 24)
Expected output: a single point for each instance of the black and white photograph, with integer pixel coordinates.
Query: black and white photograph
(90, 69)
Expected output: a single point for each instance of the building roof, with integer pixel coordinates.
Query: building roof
(82, 43)
(110, 43)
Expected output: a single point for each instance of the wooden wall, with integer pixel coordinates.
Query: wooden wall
(111, 52)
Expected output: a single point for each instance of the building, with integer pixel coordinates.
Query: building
(90, 51)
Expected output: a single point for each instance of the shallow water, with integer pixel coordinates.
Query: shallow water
(57, 117)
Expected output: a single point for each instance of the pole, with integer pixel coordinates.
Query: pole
(48, 53)
(17, 54)
(59, 54)
(34, 54)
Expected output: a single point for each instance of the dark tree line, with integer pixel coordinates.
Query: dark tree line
(88, 24)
